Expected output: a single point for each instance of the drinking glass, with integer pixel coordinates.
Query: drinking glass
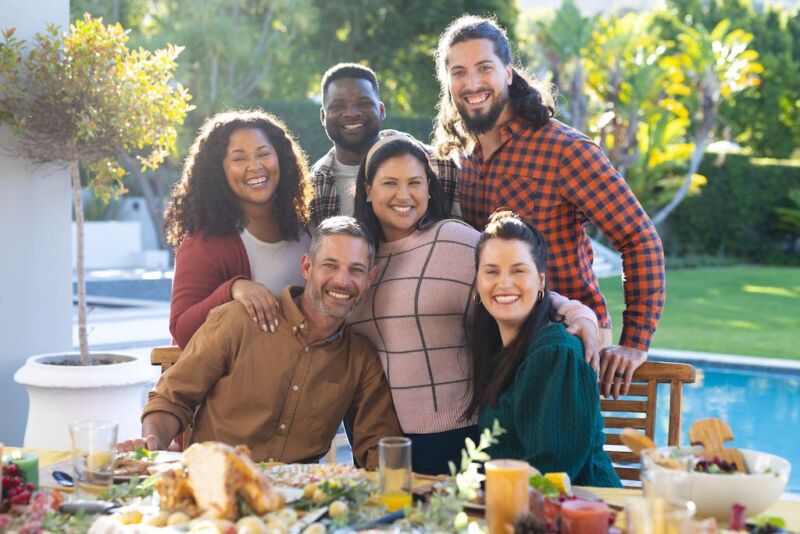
(93, 449)
(506, 492)
(672, 484)
(645, 515)
(394, 456)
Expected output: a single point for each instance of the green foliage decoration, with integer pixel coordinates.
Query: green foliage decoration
(84, 96)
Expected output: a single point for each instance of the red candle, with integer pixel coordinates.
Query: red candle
(584, 517)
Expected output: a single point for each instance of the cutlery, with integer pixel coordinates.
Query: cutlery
(64, 479)
(88, 507)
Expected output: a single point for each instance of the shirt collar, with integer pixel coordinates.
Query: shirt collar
(297, 321)
(509, 130)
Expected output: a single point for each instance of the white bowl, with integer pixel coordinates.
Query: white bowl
(715, 494)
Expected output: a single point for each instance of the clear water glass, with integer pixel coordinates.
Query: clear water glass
(93, 448)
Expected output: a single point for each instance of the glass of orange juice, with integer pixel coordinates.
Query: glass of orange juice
(506, 492)
(394, 457)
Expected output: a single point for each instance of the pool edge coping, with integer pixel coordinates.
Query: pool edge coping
(725, 360)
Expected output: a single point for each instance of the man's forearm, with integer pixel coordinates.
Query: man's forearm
(163, 425)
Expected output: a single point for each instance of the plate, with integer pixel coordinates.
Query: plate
(163, 460)
(300, 475)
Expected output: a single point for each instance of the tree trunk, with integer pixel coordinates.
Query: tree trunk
(77, 203)
(694, 164)
(153, 197)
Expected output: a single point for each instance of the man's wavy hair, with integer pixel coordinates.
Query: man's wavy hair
(530, 100)
(203, 202)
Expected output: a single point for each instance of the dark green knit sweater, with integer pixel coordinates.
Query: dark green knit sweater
(551, 411)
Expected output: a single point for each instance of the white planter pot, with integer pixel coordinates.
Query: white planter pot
(60, 394)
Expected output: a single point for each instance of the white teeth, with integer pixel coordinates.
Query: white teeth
(506, 299)
(256, 181)
(402, 209)
(352, 126)
(337, 295)
(476, 99)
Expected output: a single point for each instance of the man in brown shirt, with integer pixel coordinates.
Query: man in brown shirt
(283, 394)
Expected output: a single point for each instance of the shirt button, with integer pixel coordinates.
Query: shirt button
(308, 349)
(271, 459)
(294, 329)
(301, 326)
(295, 387)
(283, 426)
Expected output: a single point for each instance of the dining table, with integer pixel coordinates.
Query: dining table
(787, 508)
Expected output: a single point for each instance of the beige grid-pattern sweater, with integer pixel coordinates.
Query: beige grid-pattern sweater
(414, 313)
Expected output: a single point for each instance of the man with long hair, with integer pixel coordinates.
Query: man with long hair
(514, 154)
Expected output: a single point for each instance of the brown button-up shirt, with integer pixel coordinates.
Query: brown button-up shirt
(274, 392)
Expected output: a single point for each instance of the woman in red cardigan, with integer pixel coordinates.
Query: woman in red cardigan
(237, 219)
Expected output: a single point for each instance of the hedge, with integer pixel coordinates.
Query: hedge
(302, 118)
(734, 215)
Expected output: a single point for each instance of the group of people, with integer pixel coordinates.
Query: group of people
(370, 290)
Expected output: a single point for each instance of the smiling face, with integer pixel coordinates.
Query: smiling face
(399, 195)
(251, 167)
(478, 83)
(338, 275)
(352, 114)
(508, 282)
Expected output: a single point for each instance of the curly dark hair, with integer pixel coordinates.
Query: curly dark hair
(202, 201)
(529, 99)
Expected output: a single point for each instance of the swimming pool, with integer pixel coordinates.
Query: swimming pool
(762, 408)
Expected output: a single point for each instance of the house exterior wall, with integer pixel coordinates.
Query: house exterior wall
(36, 301)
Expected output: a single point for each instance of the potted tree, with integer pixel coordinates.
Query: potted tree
(83, 98)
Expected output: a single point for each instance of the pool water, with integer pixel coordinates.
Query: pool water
(762, 408)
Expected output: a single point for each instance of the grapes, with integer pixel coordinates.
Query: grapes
(15, 490)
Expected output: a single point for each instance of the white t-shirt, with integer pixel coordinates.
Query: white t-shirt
(345, 186)
(276, 265)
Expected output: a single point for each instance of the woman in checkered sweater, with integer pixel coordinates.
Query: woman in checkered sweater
(416, 309)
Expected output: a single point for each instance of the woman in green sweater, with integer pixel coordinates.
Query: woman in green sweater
(527, 371)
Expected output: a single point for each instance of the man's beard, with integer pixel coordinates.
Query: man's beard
(317, 299)
(481, 123)
(359, 146)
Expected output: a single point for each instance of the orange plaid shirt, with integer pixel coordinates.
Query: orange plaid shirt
(558, 180)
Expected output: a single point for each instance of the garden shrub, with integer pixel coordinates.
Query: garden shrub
(734, 215)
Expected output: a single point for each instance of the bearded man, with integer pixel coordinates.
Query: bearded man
(512, 153)
(284, 393)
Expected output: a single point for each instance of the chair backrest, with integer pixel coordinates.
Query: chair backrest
(637, 410)
(166, 358)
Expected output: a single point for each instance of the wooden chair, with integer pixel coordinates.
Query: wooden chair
(637, 410)
(166, 358)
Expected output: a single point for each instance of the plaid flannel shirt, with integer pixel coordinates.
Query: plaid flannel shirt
(558, 179)
(325, 202)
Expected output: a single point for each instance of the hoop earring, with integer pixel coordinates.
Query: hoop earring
(476, 298)
(540, 296)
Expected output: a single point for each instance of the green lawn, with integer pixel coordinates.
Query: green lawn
(732, 310)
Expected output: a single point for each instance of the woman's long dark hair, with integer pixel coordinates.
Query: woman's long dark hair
(396, 146)
(202, 201)
(529, 99)
(493, 366)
